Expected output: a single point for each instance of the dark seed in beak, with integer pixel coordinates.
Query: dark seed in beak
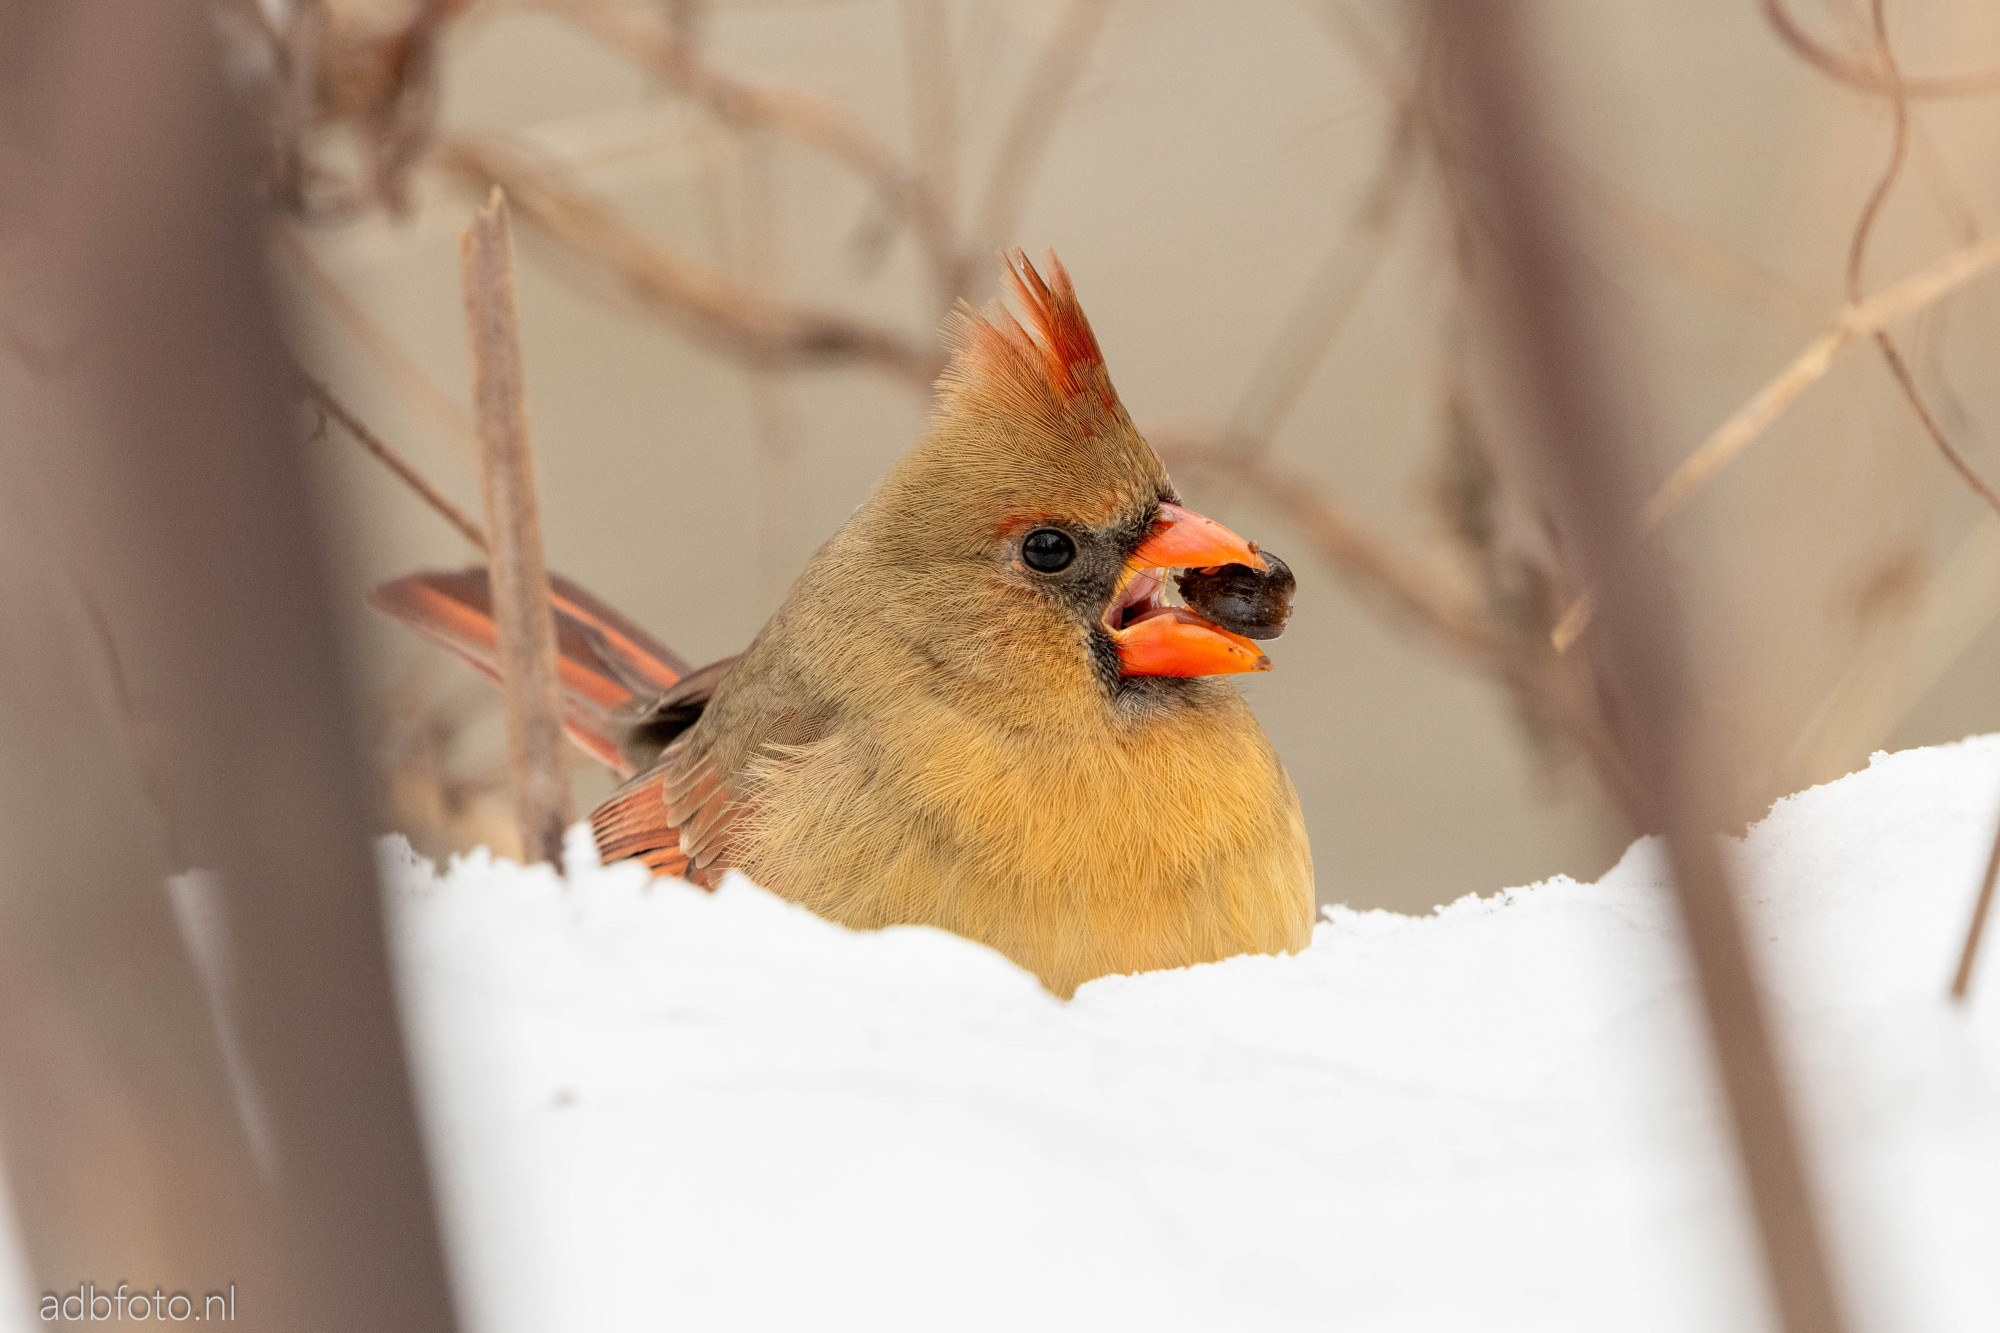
(1255, 603)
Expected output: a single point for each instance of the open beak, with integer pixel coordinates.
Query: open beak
(1155, 639)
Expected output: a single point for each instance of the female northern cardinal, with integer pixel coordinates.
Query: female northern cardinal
(973, 710)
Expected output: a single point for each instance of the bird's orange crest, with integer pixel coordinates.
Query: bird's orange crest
(1056, 340)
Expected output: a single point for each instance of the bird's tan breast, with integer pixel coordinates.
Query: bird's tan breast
(1076, 851)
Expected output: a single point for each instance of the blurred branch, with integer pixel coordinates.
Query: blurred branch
(1679, 247)
(1897, 665)
(1769, 403)
(445, 415)
(389, 458)
(1557, 358)
(1667, 239)
(1501, 634)
(1873, 80)
(42, 359)
(1316, 320)
(523, 621)
(651, 39)
(1858, 251)
(1856, 321)
(1551, 694)
(224, 1098)
(1036, 111)
(727, 314)
(333, 67)
(933, 101)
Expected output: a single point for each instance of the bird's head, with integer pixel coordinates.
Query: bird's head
(1034, 527)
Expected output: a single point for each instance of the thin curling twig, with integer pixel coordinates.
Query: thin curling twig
(1856, 75)
(1975, 931)
(1861, 320)
(1749, 421)
(1857, 255)
(1557, 355)
(525, 624)
(404, 471)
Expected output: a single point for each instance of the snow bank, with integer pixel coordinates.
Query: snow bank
(656, 1108)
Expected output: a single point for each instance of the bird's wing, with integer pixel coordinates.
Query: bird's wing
(651, 724)
(605, 662)
(685, 815)
(675, 817)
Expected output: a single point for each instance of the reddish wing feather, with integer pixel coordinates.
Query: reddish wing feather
(604, 660)
(606, 663)
(632, 823)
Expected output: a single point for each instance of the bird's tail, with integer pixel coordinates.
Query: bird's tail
(604, 660)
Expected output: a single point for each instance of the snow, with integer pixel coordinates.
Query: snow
(652, 1107)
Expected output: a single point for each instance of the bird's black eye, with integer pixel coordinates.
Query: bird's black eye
(1047, 550)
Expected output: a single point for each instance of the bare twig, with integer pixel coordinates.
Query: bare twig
(1316, 321)
(404, 471)
(1644, 650)
(1857, 254)
(1968, 958)
(1397, 584)
(738, 319)
(1856, 321)
(1666, 238)
(524, 623)
(1769, 403)
(651, 39)
(1679, 247)
(1857, 75)
(444, 414)
(1036, 111)
(1380, 572)
(1863, 316)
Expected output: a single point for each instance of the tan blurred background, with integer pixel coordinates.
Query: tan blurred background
(1214, 180)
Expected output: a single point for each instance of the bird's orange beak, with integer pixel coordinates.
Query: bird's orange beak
(1158, 640)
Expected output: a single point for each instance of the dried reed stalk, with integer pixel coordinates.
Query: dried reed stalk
(1644, 650)
(525, 624)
